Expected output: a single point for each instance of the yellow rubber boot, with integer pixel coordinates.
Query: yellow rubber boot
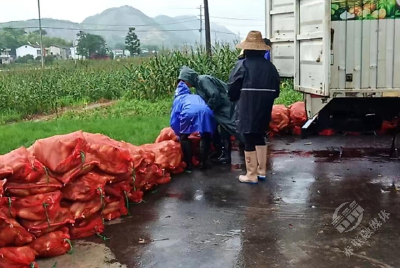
(251, 167)
(262, 155)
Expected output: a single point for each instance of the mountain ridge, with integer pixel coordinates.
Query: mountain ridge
(113, 25)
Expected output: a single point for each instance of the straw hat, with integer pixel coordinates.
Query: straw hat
(253, 41)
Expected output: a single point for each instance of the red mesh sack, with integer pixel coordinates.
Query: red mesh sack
(39, 207)
(327, 132)
(181, 168)
(61, 153)
(279, 119)
(82, 210)
(136, 196)
(85, 188)
(44, 185)
(388, 126)
(115, 179)
(140, 156)
(12, 233)
(81, 170)
(164, 180)
(22, 257)
(52, 244)
(296, 130)
(147, 178)
(114, 208)
(298, 116)
(57, 221)
(120, 189)
(7, 207)
(167, 134)
(109, 154)
(20, 166)
(87, 227)
(168, 154)
(2, 182)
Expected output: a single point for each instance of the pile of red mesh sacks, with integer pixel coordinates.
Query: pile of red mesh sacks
(290, 120)
(284, 120)
(64, 187)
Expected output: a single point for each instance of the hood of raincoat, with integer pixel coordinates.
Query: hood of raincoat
(182, 89)
(189, 75)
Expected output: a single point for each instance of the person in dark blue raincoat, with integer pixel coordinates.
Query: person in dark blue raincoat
(191, 114)
(254, 84)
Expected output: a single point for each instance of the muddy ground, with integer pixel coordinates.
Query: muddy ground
(208, 219)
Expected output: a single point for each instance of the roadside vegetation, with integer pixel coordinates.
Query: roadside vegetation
(142, 88)
(25, 93)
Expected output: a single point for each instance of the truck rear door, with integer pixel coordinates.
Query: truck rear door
(312, 46)
(280, 28)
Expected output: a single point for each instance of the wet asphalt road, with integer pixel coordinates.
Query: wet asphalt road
(208, 219)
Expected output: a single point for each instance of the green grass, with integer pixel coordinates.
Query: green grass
(124, 109)
(288, 95)
(136, 130)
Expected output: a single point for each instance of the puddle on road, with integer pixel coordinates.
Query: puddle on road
(339, 153)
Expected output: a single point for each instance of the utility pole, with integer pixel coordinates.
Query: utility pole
(41, 35)
(201, 26)
(208, 30)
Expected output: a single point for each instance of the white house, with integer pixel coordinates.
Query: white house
(120, 53)
(53, 51)
(73, 54)
(5, 56)
(58, 52)
(29, 49)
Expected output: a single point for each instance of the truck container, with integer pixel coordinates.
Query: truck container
(344, 56)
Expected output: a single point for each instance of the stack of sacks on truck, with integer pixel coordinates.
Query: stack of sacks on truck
(65, 186)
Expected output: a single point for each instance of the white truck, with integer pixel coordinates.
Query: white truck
(344, 56)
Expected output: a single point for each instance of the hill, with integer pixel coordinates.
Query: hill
(113, 25)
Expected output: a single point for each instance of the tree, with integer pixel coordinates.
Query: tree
(132, 42)
(44, 32)
(11, 38)
(90, 45)
(25, 59)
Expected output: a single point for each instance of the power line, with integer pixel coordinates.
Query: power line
(223, 32)
(101, 30)
(142, 25)
(225, 18)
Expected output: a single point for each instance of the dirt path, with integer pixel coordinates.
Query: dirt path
(92, 106)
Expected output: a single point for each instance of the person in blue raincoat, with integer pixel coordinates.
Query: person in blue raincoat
(191, 114)
(215, 93)
(267, 55)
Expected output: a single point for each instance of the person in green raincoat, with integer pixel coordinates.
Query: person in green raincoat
(215, 93)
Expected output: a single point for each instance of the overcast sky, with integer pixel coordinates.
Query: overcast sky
(78, 10)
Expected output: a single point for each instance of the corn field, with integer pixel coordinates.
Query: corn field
(34, 91)
(158, 76)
